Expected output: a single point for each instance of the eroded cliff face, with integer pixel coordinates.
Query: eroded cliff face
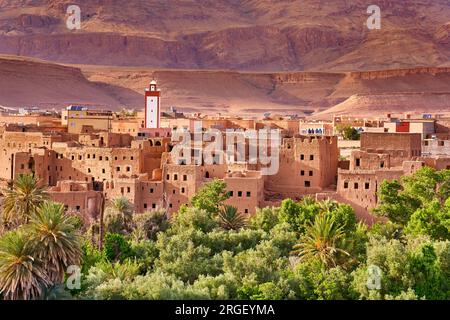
(29, 82)
(261, 35)
(386, 74)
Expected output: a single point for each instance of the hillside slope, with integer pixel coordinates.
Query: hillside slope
(263, 35)
(25, 82)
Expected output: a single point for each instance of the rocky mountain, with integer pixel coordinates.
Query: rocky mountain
(258, 35)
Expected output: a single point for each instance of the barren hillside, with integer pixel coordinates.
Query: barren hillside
(25, 82)
(263, 35)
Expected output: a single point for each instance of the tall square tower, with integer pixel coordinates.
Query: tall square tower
(152, 106)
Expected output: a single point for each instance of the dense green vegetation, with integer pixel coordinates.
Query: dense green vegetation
(348, 132)
(300, 250)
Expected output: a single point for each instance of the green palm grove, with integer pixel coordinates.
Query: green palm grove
(305, 250)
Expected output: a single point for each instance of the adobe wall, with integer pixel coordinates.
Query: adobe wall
(398, 145)
(127, 126)
(361, 160)
(246, 192)
(436, 147)
(307, 165)
(361, 186)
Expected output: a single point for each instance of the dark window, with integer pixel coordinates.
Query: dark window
(307, 184)
(184, 177)
(230, 193)
(302, 157)
(246, 210)
(118, 169)
(175, 177)
(153, 205)
(145, 206)
(100, 158)
(310, 173)
(382, 164)
(345, 185)
(78, 208)
(239, 193)
(128, 169)
(168, 177)
(302, 173)
(151, 190)
(356, 185)
(358, 162)
(182, 190)
(311, 157)
(248, 194)
(128, 189)
(366, 185)
(22, 166)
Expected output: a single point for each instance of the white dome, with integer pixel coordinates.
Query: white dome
(153, 82)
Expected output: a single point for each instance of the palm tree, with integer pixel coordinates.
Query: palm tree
(231, 219)
(147, 225)
(308, 200)
(119, 216)
(323, 239)
(328, 205)
(53, 233)
(22, 200)
(21, 276)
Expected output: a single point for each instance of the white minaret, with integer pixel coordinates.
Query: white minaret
(152, 106)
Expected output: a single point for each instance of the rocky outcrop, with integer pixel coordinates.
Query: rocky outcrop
(262, 35)
(386, 74)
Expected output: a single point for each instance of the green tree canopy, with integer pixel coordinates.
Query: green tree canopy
(211, 196)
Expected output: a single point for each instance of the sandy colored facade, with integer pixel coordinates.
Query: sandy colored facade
(382, 156)
(96, 160)
(84, 167)
(77, 117)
